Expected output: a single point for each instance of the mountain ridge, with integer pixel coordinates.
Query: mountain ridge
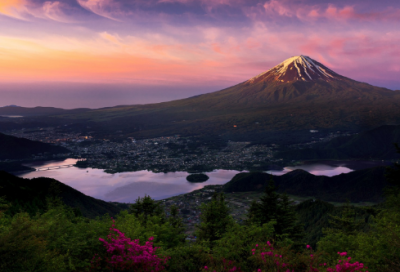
(250, 110)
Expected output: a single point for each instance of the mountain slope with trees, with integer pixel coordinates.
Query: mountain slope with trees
(377, 143)
(32, 195)
(19, 148)
(358, 186)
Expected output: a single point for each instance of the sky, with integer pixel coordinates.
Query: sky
(99, 53)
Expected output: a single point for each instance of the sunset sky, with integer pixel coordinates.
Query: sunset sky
(96, 53)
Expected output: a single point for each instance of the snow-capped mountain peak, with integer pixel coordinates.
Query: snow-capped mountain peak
(297, 68)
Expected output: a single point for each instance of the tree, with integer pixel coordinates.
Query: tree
(273, 206)
(4, 206)
(347, 223)
(266, 209)
(215, 219)
(146, 207)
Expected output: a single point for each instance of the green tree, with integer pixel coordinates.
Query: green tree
(341, 235)
(146, 207)
(266, 209)
(4, 206)
(215, 219)
(347, 223)
(273, 206)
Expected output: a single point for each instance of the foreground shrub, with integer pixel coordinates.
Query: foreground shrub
(24, 248)
(124, 254)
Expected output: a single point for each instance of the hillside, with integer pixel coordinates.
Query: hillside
(357, 186)
(30, 195)
(18, 148)
(297, 95)
(377, 143)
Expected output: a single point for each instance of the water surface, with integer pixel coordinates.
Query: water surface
(128, 186)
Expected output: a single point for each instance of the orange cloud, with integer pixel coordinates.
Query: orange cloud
(13, 8)
(24, 60)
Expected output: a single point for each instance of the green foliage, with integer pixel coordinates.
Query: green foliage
(23, 247)
(347, 223)
(187, 258)
(146, 207)
(165, 234)
(237, 242)
(273, 206)
(215, 219)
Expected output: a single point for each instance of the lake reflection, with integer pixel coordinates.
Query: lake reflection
(128, 186)
(330, 168)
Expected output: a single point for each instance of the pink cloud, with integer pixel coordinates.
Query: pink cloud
(106, 8)
(331, 12)
(275, 6)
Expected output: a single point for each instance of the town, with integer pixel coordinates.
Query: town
(162, 154)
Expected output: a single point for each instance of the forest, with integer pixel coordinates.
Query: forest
(48, 235)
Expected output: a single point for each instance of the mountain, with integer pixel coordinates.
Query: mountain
(377, 143)
(298, 68)
(358, 186)
(30, 195)
(297, 95)
(37, 111)
(15, 106)
(19, 148)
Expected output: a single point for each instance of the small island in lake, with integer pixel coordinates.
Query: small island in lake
(197, 178)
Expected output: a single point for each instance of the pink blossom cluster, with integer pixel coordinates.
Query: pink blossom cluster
(269, 257)
(344, 265)
(124, 254)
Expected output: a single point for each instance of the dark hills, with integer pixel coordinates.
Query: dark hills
(19, 148)
(36, 111)
(297, 95)
(377, 143)
(358, 186)
(30, 195)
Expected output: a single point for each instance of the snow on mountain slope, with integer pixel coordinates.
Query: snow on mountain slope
(298, 68)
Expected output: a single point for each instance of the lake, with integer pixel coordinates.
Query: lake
(128, 186)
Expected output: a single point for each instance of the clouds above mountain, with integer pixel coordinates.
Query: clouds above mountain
(172, 42)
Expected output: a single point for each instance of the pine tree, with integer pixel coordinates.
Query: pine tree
(273, 206)
(347, 223)
(267, 208)
(215, 219)
(4, 206)
(146, 207)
